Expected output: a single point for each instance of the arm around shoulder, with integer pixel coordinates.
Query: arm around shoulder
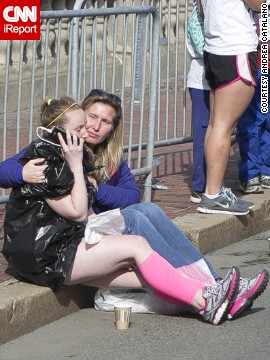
(11, 171)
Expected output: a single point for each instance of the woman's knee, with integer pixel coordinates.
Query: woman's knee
(132, 216)
(150, 209)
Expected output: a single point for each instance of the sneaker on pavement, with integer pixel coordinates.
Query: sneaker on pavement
(249, 289)
(195, 197)
(222, 204)
(265, 181)
(218, 297)
(252, 186)
(236, 200)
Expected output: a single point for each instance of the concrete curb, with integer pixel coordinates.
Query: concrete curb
(25, 307)
(212, 232)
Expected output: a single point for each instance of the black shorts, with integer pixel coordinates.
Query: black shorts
(222, 70)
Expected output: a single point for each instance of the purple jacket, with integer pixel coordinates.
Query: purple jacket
(119, 192)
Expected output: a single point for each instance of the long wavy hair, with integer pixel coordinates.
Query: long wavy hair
(109, 153)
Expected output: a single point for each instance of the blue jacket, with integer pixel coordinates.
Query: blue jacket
(119, 192)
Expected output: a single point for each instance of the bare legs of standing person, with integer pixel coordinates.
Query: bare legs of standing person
(226, 106)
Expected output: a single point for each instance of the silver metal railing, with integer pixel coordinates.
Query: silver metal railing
(116, 49)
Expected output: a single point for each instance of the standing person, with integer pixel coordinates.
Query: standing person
(50, 250)
(253, 134)
(199, 91)
(231, 70)
(145, 219)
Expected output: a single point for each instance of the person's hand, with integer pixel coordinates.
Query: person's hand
(73, 152)
(33, 171)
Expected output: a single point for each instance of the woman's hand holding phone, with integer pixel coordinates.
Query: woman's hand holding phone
(72, 149)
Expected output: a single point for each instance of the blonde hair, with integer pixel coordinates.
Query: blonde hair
(109, 153)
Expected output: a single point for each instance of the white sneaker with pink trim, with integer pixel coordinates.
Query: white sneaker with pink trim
(218, 297)
(249, 289)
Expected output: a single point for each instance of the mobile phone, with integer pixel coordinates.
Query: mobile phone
(59, 130)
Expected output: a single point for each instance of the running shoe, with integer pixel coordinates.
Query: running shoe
(243, 203)
(221, 205)
(265, 181)
(195, 197)
(218, 297)
(249, 289)
(252, 186)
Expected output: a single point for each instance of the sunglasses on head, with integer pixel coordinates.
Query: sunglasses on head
(97, 92)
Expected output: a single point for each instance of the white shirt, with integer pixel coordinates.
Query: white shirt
(229, 27)
(196, 75)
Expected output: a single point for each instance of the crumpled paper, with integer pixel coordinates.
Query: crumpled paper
(107, 223)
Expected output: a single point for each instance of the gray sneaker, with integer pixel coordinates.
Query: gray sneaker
(242, 203)
(222, 204)
(219, 296)
(252, 186)
(265, 181)
(195, 197)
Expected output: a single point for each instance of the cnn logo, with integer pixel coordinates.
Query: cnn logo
(20, 21)
(15, 13)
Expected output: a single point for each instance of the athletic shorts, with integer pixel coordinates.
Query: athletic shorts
(223, 70)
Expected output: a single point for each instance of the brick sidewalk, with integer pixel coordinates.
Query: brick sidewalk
(175, 173)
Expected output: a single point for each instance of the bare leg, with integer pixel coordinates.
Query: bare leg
(107, 256)
(131, 279)
(211, 112)
(114, 252)
(122, 278)
(226, 106)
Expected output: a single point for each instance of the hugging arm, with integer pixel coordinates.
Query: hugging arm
(13, 173)
(121, 191)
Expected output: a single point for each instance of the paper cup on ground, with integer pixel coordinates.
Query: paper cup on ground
(122, 316)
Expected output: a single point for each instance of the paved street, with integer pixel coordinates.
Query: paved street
(89, 334)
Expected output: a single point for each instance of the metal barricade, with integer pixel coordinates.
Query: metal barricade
(116, 49)
(173, 124)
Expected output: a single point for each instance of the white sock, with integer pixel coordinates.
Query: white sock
(212, 196)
